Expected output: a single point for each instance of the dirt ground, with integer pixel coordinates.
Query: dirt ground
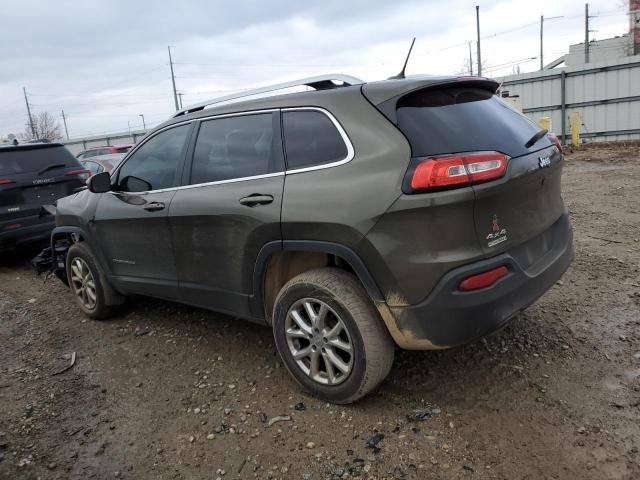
(172, 392)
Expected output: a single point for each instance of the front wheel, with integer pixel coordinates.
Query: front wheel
(330, 336)
(88, 283)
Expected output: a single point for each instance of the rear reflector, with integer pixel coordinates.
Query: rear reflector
(458, 170)
(483, 280)
(6, 181)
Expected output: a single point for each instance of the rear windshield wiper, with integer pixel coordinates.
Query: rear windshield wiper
(51, 167)
(533, 140)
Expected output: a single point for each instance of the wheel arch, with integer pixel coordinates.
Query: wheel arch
(66, 230)
(261, 303)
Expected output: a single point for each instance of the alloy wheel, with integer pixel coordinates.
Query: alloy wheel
(319, 341)
(83, 283)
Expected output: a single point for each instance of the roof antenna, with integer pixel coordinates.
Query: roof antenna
(404, 67)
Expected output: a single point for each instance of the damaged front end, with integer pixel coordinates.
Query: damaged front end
(52, 260)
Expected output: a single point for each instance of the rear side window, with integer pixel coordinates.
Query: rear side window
(154, 165)
(237, 147)
(35, 160)
(463, 119)
(311, 139)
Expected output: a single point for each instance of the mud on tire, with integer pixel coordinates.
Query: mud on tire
(89, 286)
(347, 352)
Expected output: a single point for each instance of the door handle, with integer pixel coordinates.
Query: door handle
(256, 199)
(154, 206)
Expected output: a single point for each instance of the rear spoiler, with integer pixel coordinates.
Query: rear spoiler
(385, 95)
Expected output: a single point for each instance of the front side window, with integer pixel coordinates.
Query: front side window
(311, 139)
(237, 147)
(154, 165)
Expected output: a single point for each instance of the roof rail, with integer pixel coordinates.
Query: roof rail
(321, 82)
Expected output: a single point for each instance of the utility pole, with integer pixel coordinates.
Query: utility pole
(173, 79)
(478, 44)
(470, 61)
(26, 101)
(180, 98)
(64, 120)
(129, 127)
(586, 33)
(541, 44)
(144, 125)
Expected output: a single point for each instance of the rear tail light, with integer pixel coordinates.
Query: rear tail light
(483, 280)
(6, 181)
(457, 170)
(83, 173)
(556, 141)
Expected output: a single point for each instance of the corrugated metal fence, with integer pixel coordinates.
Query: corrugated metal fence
(607, 96)
(77, 145)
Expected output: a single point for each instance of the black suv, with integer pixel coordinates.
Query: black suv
(32, 177)
(419, 212)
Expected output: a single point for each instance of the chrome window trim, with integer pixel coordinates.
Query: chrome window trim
(207, 184)
(341, 131)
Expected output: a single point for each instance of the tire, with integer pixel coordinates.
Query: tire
(338, 297)
(81, 263)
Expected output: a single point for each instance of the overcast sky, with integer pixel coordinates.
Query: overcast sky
(105, 62)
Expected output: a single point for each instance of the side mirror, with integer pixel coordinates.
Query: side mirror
(99, 183)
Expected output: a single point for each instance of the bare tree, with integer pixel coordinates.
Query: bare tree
(45, 127)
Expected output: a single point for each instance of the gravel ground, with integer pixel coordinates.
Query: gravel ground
(172, 392)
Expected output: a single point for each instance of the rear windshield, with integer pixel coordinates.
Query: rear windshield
(463, 119)
(35, 160)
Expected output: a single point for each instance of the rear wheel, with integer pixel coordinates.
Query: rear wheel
(330, 336)
(91, 291)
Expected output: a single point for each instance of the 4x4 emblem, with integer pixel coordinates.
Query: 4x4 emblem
(498, 234)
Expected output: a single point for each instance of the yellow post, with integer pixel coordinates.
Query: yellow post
(575, 129)
(545, 123)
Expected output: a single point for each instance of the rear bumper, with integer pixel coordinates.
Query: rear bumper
(449, 317)
(34, 231)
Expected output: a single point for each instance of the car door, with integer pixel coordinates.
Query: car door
(229, 210)
(131, 223)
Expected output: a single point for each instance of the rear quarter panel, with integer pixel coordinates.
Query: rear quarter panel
(341, 204)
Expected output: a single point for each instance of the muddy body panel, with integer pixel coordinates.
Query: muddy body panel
(330, 177)
(449, 317)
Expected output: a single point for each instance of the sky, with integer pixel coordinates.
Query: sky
(105, 63)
